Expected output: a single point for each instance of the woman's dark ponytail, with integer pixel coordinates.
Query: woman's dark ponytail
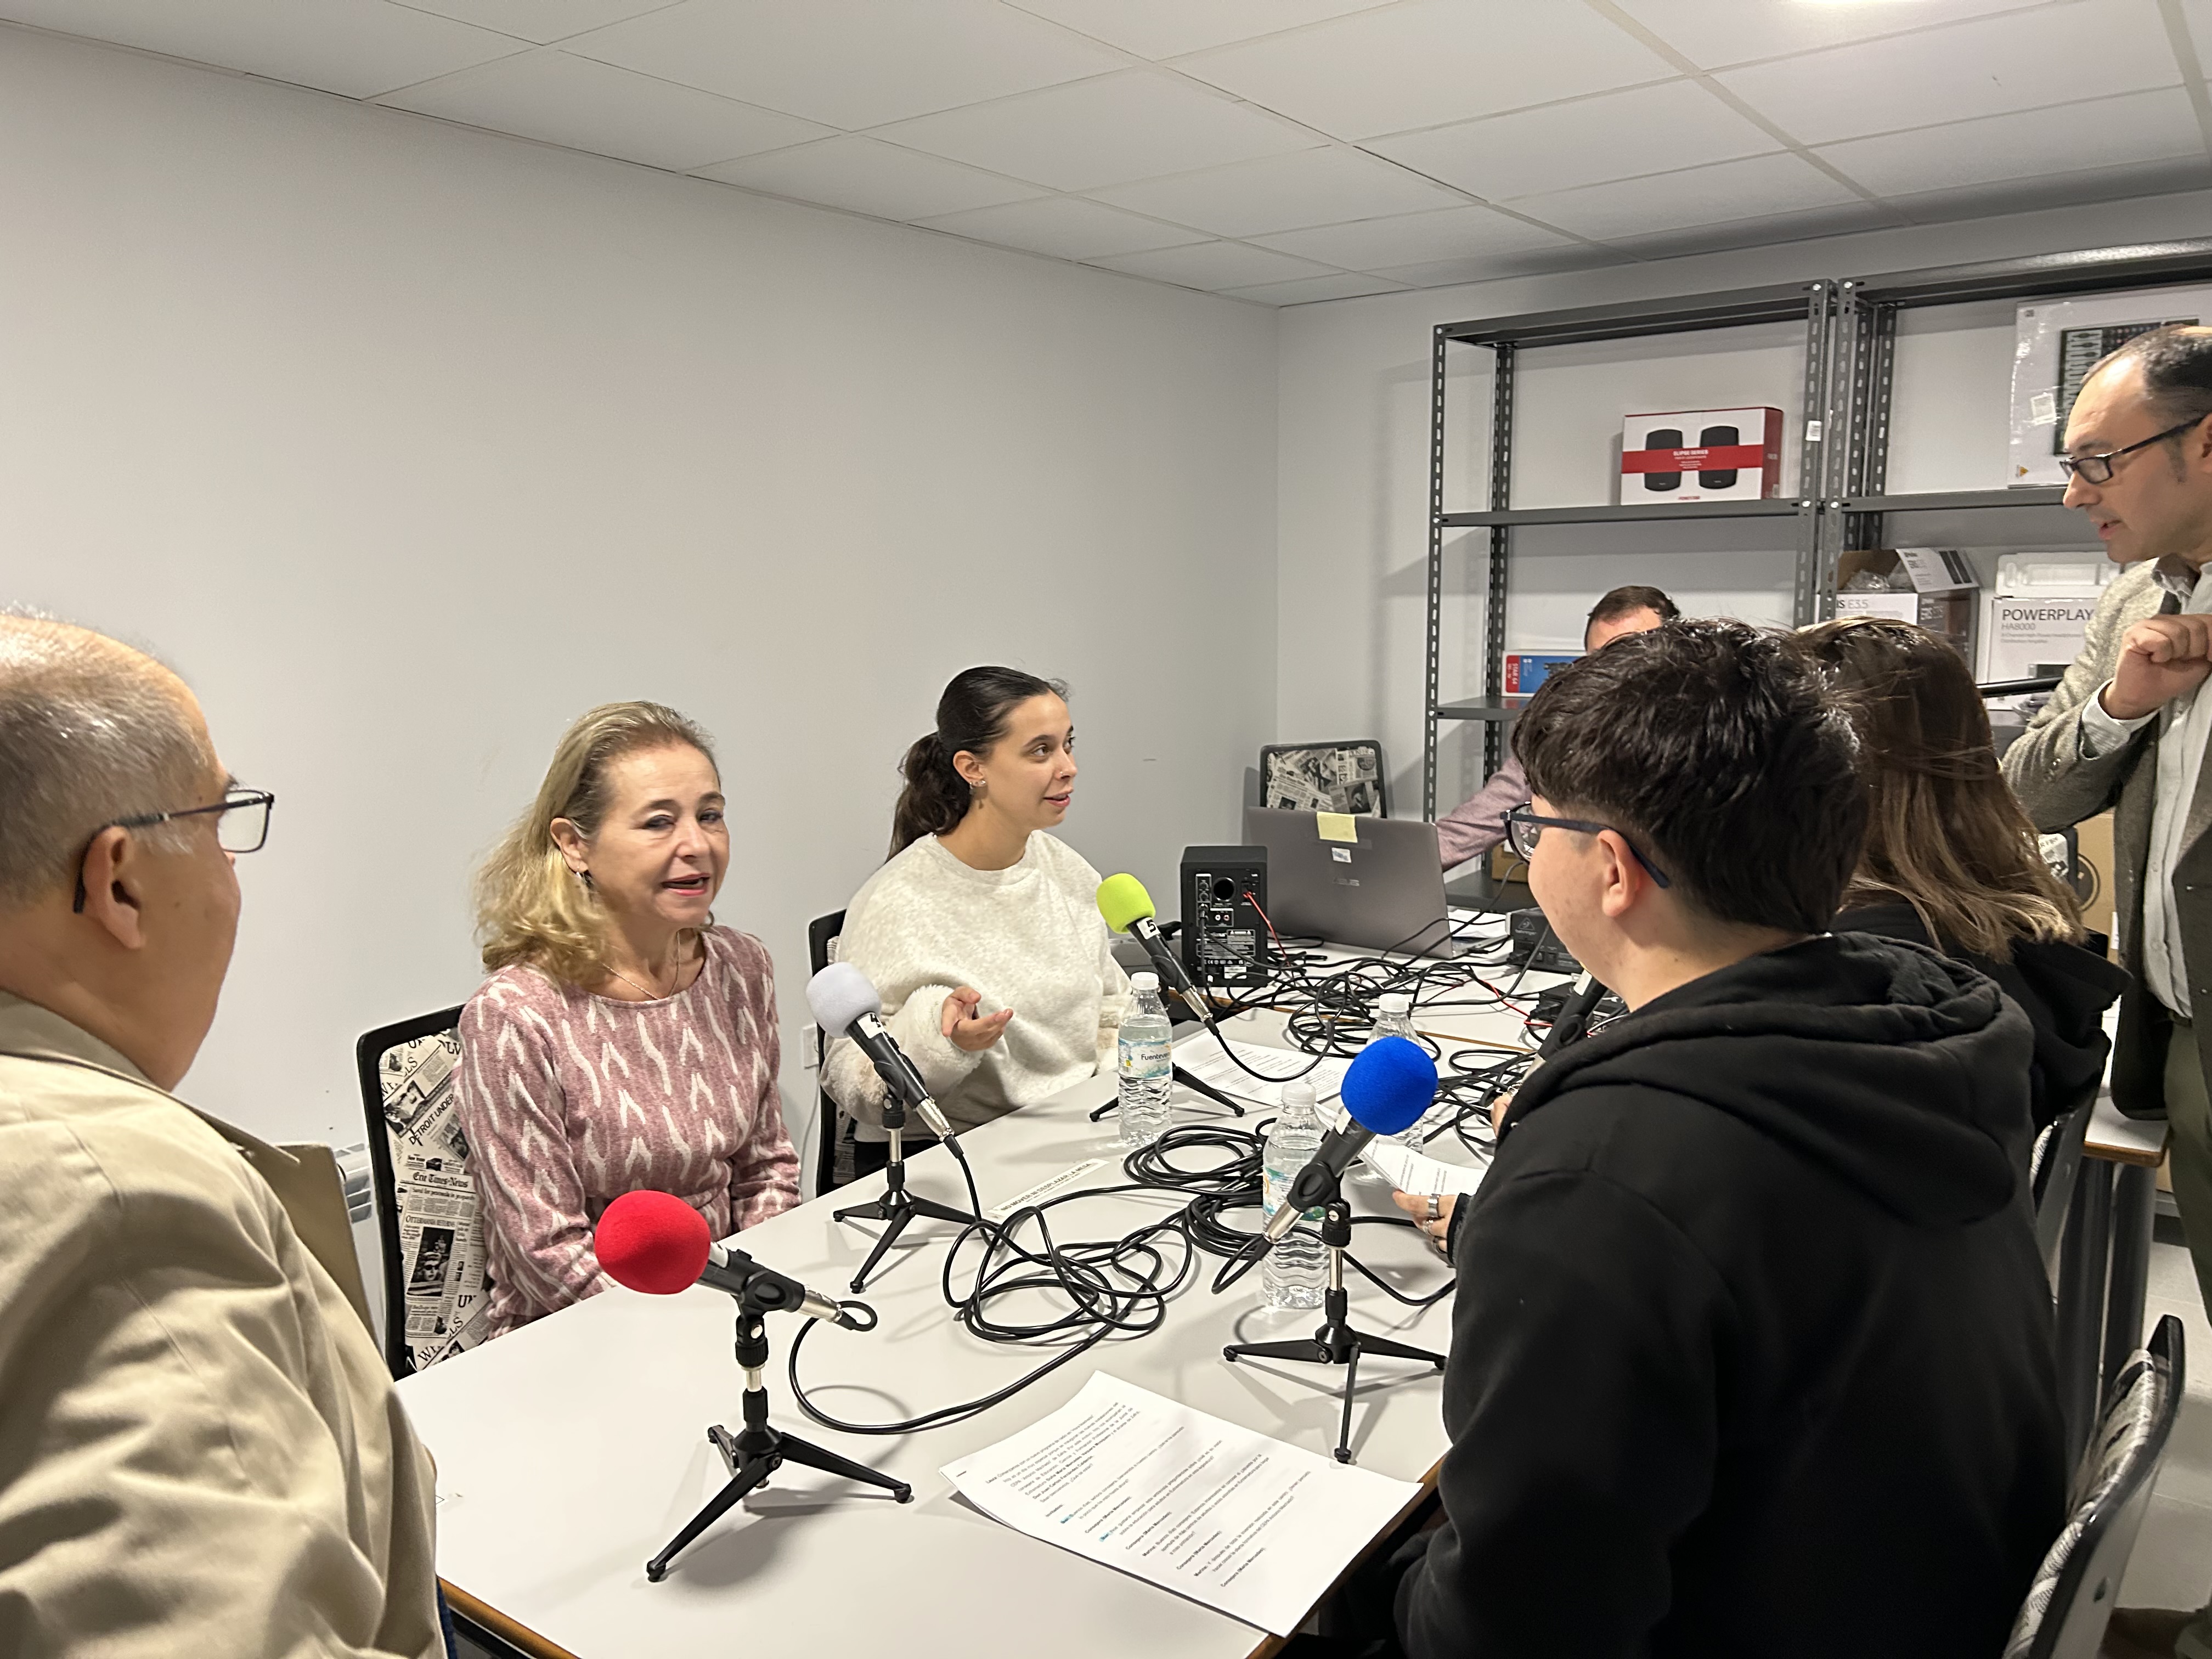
(971, 715)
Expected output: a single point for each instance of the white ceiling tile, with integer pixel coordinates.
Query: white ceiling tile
(1446, 273)
(1167, 28)
(1677, 124)
(2140, 126)
(1998, 65)
(1283, 193)
(1426, 62)
(542, 20)
(1307, 290)
(1727, 190)
(1838, 219)
(2113, 184)
(356, 47)
(1712, 33)
(849, 63)
(1409, 239)
(1066, 227)
(593, 106)
(1216, 265)
(2199, 14)
(1135, 125)
(865, 176)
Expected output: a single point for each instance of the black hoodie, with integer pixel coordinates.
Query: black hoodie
(1752, 1349)
(2062, 988)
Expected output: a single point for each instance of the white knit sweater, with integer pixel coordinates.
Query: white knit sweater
(1029, 938)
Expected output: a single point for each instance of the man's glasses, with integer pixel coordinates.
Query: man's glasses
(241, 824)
(2098, 469)
(1524, 829)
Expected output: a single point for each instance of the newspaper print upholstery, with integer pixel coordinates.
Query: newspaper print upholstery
(447, 1303)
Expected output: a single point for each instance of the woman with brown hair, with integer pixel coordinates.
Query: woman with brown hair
(624, 1040)
(981, 932)
(1950, 860)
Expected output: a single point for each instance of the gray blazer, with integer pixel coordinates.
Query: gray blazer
(2060, 786)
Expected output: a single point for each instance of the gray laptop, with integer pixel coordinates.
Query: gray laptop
(1382, 889)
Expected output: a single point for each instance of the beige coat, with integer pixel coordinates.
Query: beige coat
(2060, 786)
(200, 1450)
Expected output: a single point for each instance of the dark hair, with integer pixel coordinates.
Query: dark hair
(1626, 602)
(1714, 748)
(971, 715)
(1943, 832)
(2177, 370)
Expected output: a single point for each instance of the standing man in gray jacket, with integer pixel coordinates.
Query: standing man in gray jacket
(2127, 729)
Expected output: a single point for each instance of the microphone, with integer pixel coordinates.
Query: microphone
(1574, 1014)
(657, 1244)
(846, 1004)
(1128, 909)
(1386, 1087)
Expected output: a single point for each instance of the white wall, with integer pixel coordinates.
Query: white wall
(1354, 425)
(405, 444)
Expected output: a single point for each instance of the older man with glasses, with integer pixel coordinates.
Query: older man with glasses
(2127, 730)
(200, 1451)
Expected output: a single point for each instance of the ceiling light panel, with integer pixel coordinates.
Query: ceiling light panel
(1425, 63)
(1991, 67)
(863, 175)
(1167, 28)
(594, 106)
(1284, 192)
(1107, 130)
(358, 48)
(1677, 124)
(1712, 33)
(849, 63)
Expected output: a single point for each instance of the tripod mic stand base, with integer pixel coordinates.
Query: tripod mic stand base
(750, 1458)
(1333, 1343)
(896, 1207)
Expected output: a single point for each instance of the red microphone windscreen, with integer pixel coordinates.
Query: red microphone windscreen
(652, 1241)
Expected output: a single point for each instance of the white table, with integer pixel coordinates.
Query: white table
(569, 1451)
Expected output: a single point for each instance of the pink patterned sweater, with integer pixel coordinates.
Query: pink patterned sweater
(570, 1100)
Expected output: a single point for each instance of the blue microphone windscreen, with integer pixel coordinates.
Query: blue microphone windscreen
(1388, 1084)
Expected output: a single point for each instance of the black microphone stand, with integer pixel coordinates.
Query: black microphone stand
(1338, 1342)
(896, 1207)
(757, 1450)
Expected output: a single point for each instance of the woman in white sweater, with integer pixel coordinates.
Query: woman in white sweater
(982, 933)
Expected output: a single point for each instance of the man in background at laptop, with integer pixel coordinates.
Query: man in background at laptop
(1470, 831)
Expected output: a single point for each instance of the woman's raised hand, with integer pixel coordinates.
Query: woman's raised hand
(966, 1032)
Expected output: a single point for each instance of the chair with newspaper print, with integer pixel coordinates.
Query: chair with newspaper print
(436, 1299)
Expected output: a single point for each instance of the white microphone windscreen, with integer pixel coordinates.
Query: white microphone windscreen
(840, 994)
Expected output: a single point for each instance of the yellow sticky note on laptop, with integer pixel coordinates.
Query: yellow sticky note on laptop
(1337, 826)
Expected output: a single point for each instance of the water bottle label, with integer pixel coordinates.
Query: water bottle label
(1144, 1059)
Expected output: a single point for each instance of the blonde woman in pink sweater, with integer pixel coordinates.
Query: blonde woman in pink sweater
(624, 1040)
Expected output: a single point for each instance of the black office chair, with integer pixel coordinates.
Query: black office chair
(2053, 1167)
(436, 1297)
(2078, 1584)
(829, 1122)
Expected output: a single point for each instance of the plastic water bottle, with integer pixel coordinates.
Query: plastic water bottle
(1146, 1065)
(1394, 1016)
(1294, 1271)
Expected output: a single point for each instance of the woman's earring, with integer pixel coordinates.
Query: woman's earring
(584, 876)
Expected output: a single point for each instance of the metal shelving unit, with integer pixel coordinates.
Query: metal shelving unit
(1814, 304)
(1842, 500)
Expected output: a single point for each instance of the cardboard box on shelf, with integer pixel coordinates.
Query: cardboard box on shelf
(1701, 455)
(1940, 597)
(2056, 343)
(2043, 598)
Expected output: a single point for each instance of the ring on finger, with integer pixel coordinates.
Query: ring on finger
(1436, 1207)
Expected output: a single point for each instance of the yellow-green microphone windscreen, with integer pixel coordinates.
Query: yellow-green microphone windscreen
(1123, 900)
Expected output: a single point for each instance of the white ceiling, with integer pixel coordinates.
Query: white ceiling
(1288, 150)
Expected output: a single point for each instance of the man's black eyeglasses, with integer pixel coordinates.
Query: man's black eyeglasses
(241, 824)
(2098, 469)
(1524, 829)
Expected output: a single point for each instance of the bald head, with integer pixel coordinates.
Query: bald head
(91, 731)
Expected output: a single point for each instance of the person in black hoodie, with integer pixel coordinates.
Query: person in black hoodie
(1751, 1348)
(1950, 859)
